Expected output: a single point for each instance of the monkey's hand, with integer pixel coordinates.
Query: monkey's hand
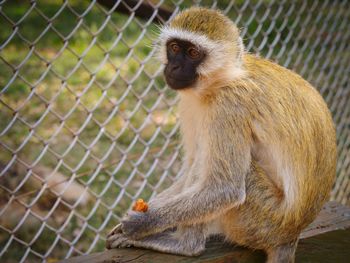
(137, 225)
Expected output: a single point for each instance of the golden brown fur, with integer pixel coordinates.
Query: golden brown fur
(260, 152)
(206, 21)
(281, 112)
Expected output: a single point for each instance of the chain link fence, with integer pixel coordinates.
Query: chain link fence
(87, 124)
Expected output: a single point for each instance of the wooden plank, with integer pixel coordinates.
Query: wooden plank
(329, 247)
(216, 251)
(323, 241)
(332, 217)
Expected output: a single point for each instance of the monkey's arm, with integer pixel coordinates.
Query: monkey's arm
(224, 166)
(177, 186)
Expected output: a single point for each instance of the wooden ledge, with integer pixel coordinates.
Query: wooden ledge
(327, 239)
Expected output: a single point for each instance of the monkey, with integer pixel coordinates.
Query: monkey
(259, 147)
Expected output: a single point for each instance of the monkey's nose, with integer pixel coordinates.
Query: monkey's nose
(175, 67)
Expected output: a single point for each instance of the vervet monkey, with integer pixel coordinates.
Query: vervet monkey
(259, 142)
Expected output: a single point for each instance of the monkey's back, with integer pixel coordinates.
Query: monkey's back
(294, 150)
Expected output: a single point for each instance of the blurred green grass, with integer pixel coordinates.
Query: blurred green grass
(111, 61)
(115, 87)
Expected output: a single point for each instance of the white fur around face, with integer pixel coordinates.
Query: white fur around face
(216, 50)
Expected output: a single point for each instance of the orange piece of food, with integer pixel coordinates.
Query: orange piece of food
(140, 206)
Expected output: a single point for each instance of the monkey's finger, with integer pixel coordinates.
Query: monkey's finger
(117, 229)
(125, 243)
(112, 240)
(117, 241)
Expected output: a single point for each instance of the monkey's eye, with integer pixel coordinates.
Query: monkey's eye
(174, 47)
(193, 52)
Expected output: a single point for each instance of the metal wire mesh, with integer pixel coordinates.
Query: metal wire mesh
(87, 124)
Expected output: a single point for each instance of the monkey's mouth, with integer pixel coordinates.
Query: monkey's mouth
(179, 83)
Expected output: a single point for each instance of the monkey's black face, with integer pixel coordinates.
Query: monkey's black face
(183, 60)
